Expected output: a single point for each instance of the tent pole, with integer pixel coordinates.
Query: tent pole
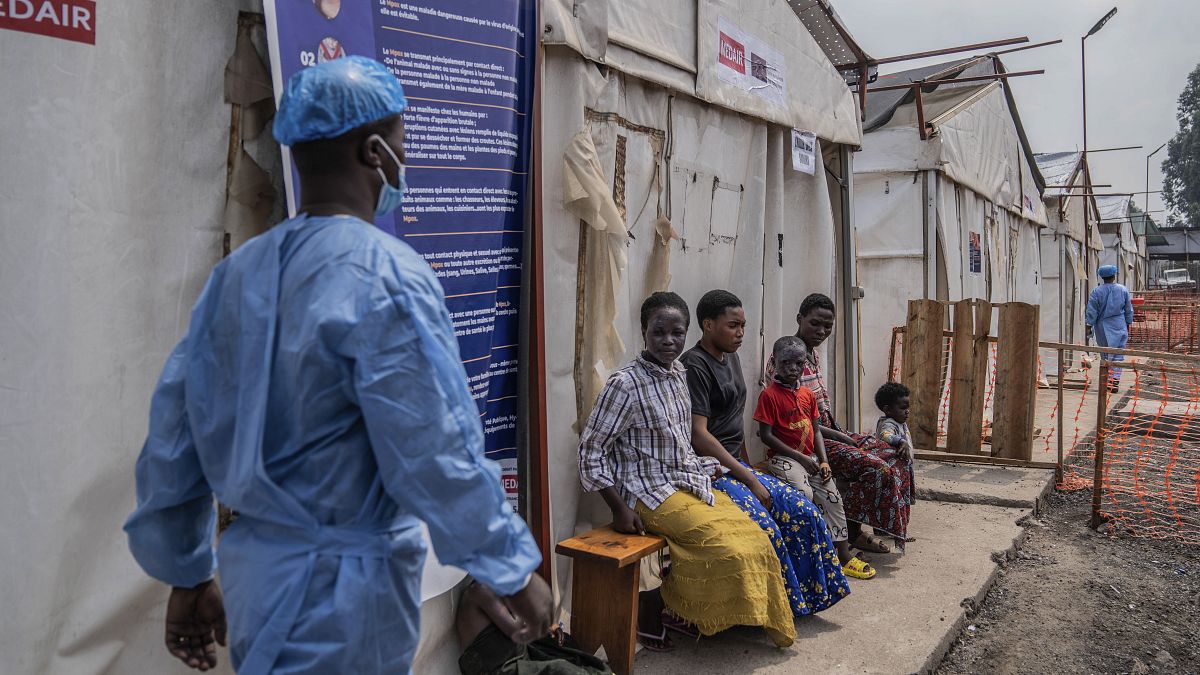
(850, 339)
(537, 481)
(930, 234)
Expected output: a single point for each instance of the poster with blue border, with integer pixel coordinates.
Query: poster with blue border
(467, 70)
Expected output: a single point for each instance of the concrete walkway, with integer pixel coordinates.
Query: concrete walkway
(905, 619)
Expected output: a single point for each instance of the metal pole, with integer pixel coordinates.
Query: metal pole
(1062, 374)
(1087, 172)
(1098, 478)
(849, 284)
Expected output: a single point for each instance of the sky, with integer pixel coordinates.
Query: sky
(1136, 67)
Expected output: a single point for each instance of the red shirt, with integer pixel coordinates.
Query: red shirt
(792, 414)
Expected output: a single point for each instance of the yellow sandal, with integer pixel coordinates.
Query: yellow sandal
(858, 569)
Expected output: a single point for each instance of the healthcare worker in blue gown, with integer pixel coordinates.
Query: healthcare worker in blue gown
(319, 393)
(1109, 316)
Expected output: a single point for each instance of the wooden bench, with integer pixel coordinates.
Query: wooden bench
(604, 593)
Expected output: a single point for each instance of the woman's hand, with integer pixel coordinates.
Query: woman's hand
(756, 488)
(627, 521)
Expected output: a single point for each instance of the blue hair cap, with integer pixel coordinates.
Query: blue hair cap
(331, 98)
(1107, 271)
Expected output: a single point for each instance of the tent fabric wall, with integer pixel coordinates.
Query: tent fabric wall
(727, 188)
(674, 43)
(977, 145)
(112, 191)
(984, 186)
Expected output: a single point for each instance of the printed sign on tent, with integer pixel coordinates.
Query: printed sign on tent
(748, 63)
(467, 71)
(804, 151)
(974, 253)
(73, 20)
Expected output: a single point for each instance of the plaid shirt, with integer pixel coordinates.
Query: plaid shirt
(639, 438)
(811, 378)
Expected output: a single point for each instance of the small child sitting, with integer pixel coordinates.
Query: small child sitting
(892, 399)
(789, 425)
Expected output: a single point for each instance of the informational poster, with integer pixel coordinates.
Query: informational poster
(73, 20)
(467, 71)
(804, 151)
(974, 253)
(748, 63)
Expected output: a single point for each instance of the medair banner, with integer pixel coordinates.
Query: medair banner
(467, 71)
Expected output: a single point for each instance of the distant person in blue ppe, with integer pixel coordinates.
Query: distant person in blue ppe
(319, 392)
(1109, 316)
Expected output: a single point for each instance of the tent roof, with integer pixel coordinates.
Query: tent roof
(1113, 208)
(1144, 226)
(831, 34)
(1058, 168)
(881, 106)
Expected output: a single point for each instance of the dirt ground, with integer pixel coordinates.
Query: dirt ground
(1078, 601)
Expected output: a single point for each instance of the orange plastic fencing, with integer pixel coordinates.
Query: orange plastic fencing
(1150, 484)
(1165, 323)
(1151, 481)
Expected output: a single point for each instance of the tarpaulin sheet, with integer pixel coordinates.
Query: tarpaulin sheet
(679, 43)
(725, 184)
(112, 191)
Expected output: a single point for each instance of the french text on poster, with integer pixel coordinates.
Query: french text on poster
(750, 64)
(467, 71)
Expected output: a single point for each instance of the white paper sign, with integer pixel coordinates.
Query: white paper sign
(748, 63)
(804, 151)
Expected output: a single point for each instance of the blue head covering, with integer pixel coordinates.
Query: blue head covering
(1107, 271)
(331, 98)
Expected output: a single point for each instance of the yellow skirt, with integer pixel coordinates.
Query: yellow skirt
(724, 571)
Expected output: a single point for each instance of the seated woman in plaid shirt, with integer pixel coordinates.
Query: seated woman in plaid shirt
(636, 451)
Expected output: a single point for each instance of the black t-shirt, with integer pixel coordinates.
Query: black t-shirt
(719, 393)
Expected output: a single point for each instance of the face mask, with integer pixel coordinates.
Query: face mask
(390, 196)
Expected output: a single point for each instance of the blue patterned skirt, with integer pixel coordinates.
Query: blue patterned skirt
(811, 571)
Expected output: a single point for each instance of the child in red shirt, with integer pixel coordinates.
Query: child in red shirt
(789, 425)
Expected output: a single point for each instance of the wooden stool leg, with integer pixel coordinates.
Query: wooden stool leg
(604, 602)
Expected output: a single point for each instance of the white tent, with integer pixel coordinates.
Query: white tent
(114, 202)
(1121, 246)
(953, 216)
(676, 175)
(1066, 262)
(105, 245)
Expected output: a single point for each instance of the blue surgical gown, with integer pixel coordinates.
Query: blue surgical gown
(1110, 313)
(319, 392)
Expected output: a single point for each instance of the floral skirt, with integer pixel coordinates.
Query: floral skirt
(881, 488)
(812, 573)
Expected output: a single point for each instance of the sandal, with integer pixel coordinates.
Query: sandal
(672, 622)
(872, 545)
(656, 643)
(858, 569)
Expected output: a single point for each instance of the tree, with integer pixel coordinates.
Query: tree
(1181, 168)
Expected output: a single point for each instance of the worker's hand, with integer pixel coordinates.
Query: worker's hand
(760, 493)
(627, 521)
(532, 607)
(1088, 332)
(195, 621)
